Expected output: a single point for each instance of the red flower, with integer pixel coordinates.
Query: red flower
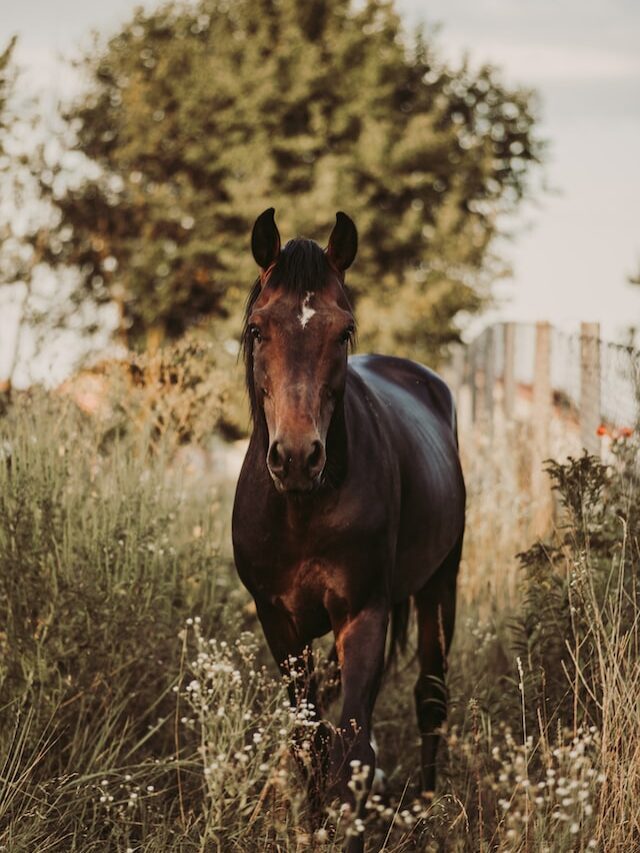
(625, 432)
(602, 430)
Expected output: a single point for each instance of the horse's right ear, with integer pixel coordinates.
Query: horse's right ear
(343, 242)
(265, 239)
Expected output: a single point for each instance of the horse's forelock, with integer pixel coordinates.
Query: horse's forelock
(302, 267)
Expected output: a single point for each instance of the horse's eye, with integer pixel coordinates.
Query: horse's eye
(346, 336)
(255, 333)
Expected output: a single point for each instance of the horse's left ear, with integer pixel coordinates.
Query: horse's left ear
(343, 242)
(265, 239)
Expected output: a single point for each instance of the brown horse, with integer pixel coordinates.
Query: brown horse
(351, 497)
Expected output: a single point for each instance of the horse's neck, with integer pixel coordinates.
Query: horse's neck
(337, 447)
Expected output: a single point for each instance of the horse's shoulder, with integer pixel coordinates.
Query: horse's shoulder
(388, 371)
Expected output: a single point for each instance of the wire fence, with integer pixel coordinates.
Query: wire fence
(560, 392)
(593, 382)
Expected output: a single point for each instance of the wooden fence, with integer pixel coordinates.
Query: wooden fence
(562, 392)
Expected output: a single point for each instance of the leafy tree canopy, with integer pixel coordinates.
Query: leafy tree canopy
(199, 116)
(6, 79)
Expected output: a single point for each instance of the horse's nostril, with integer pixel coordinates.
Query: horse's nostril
(295, 466)
(276, 458)
(316, 459)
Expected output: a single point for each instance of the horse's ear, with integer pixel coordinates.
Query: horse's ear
(265, 239)
(343, 242)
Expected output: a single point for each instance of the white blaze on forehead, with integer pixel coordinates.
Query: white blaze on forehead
(307, 311)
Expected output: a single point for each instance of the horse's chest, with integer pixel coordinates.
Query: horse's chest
(309, 591)
(314, 569)
(296, 583)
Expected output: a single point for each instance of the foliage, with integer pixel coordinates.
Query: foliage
(184, 393)
(128, 722)
(12, 260)
(15, 254)
(199, 116)
(44, 304)
(98, 564)
(585, 585)
(6, 81)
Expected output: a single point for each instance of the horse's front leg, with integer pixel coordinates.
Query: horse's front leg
(360, 642)
(287, 646)
(294, 657)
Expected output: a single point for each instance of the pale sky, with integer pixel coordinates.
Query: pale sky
(573, 250)
(578, 245)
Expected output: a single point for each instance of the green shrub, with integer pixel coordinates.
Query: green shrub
(582, 587)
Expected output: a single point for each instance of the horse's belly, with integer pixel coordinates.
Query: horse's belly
(431, 523)
(415, 565)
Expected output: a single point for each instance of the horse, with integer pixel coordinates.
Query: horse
(351, 499)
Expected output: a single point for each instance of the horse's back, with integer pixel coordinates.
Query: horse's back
(417, 401)
(421, 383)
(418, 410)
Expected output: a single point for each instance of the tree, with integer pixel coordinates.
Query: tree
(15, 255)
(42, 307)
(6, 82)
(199, 116)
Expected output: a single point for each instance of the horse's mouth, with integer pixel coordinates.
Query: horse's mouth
(297, 490)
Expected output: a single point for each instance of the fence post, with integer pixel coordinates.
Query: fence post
(542, 411)
(489, 380)
(509, 371)
(457, 369)
(473, 380)
(590, 404)
(456, 374)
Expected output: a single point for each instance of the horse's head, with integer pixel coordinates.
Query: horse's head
(298, 328)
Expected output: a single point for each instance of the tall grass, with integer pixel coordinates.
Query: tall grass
(139, 709)
(101, 559)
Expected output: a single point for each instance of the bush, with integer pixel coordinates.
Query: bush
(183, 393)
(102, 556)
(128, 722)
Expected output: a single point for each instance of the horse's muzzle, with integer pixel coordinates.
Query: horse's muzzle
(296, 468)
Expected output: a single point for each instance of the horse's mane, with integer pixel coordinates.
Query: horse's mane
(302, 267)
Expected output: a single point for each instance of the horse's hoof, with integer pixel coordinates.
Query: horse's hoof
(379, 784)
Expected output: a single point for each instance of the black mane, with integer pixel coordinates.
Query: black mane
(302, 266)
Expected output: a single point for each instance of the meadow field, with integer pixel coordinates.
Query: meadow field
(140, 711)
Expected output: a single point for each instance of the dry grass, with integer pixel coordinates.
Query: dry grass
(130, 724)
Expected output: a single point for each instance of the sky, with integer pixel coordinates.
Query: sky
(572, 250)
